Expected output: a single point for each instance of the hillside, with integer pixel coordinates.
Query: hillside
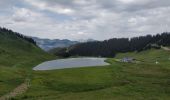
(18, 54)
(109, 48)
(144, 80)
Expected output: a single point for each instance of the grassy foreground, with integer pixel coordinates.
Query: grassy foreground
(118, 81)
(15, 71)
(17, 57)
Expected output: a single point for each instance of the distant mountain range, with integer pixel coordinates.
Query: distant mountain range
(47, 44)
(86, 40)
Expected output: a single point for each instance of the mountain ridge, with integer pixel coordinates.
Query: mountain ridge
(47, 44)
(18, 54)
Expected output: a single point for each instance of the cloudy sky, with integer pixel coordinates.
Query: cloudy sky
(84, 19)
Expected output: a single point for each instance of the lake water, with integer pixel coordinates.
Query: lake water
(71, 63)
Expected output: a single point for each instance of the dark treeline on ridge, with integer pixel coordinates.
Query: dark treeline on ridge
(108, 48)
(6, 31)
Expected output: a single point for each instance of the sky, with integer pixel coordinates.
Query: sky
(85, 19)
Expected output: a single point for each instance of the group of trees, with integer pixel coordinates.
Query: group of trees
(8, 31)
(109, 48)
(106, 48)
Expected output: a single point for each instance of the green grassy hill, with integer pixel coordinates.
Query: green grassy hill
(144, 80)
(119, 81)
(17, 57)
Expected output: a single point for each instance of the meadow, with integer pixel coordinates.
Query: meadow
(144, 80)
(17, 57)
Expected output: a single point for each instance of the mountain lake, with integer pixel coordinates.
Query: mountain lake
(71, 63)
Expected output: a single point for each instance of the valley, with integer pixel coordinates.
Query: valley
(84, 49)
(118, 80)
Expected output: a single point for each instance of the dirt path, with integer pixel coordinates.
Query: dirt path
(165, 48)
(17, 91)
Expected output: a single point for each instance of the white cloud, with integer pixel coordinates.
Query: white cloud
(23, 14)
(53, 8)
(127, 1)
(77, 19)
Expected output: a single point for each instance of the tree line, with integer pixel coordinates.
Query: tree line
(109, 48)
(10, 32)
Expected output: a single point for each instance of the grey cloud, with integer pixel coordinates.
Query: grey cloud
(98, 19)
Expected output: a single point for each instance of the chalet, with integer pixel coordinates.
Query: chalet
(127, 59)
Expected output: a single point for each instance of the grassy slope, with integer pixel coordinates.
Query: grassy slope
(118, 81)
(17, 57)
